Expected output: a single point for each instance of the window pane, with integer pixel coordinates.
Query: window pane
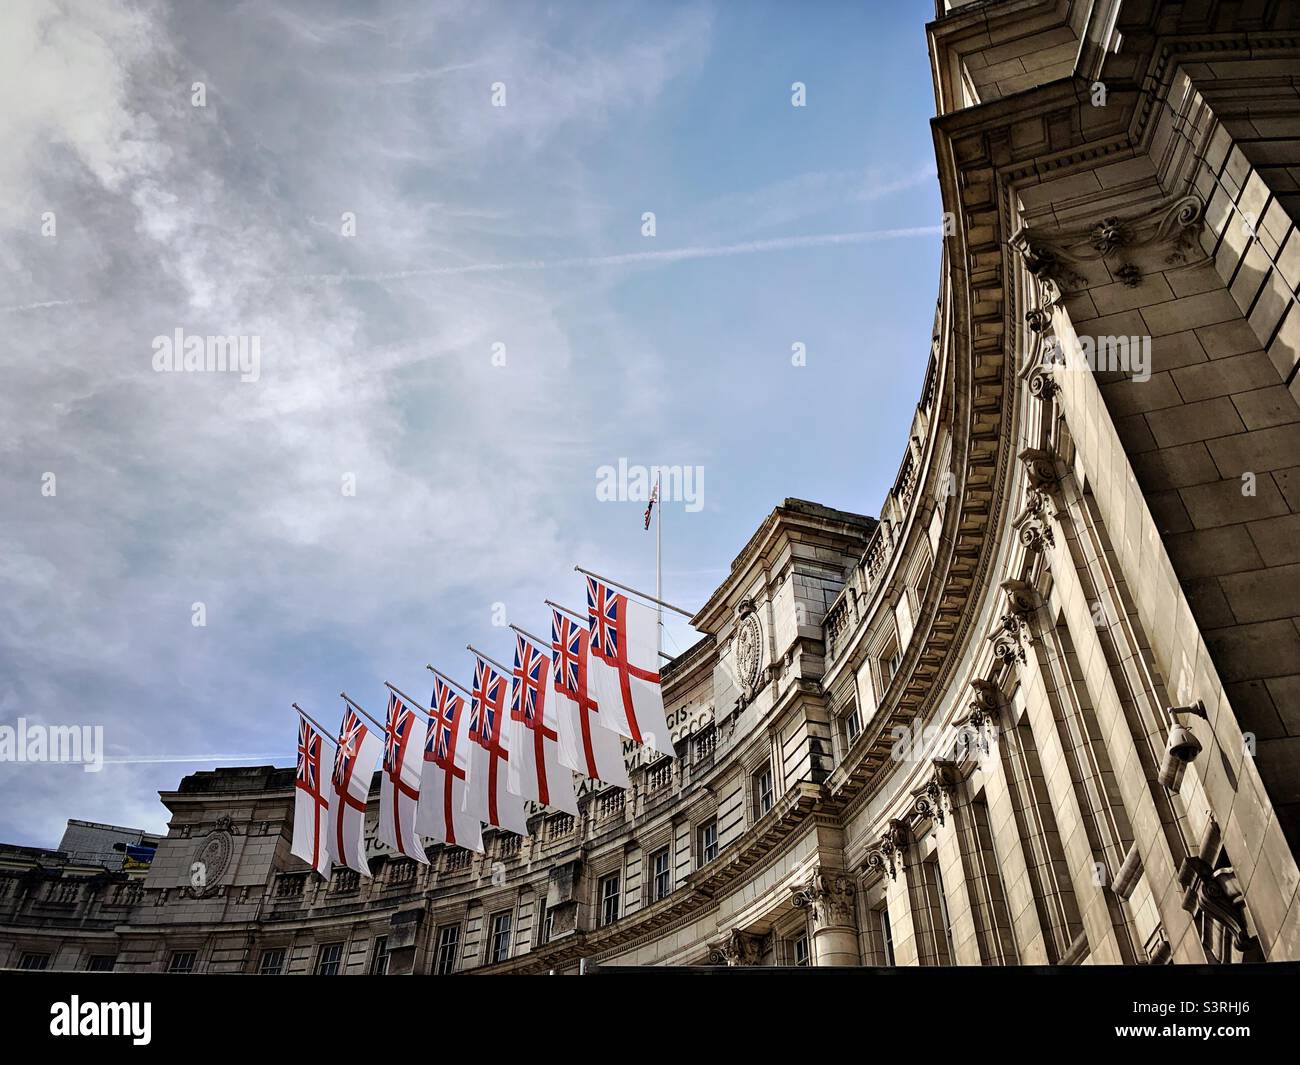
(448, 944)
(329, 962)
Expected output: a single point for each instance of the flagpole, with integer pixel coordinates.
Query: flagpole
(536, 639)
(308, 716)
(504, 669)
(455, 684)
(398, 691)
(659, 569)
(565, 610)
(654, 599)
(358, 709)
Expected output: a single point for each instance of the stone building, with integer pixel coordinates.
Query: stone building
(1044, 710)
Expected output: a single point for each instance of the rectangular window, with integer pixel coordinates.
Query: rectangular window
(852, 725)
(764, 794)
(889, 662)
(944, 921)
(662, 873)
(543, 923)
(379, 957)
(34, 962)
(930, 916)
(181, 961)
(800, 945)
(271, 963)
(886, 934)
(707, 841)
(609, 897)
(448, 945)
(329, 962)
(499, 938)
(101, 963)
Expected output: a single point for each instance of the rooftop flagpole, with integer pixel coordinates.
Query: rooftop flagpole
(659, 564)
(652, 598)
(455, 684)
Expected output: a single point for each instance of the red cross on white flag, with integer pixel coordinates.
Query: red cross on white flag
(624, 667)
(354, 761)
(310, 799)
(535, 771)
(399, 793)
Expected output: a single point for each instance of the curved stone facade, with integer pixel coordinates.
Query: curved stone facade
(1045, 710)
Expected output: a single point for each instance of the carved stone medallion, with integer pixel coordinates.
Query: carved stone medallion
(211, 860)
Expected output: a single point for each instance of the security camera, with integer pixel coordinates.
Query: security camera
(1181, 748)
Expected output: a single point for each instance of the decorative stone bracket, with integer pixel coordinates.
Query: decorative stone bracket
(982, 714)
(887, 853)
(1061, 256)
(935, 797)
(1013, 632)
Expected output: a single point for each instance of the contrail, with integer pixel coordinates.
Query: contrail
(149, 759)
(632, 258)
(40, 306)
(669, 255)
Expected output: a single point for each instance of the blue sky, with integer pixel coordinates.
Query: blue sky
(475, 483)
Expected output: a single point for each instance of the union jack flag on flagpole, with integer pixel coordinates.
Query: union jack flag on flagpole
(310, 801)
(355, 755)
(442, 814)
(535, 771)
(399, 795)
(585, 746)
(624, 667)
(488, 794)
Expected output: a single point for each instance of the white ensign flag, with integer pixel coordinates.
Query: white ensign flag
(624, 667)
(585, 746)
(354, 761)
(399, 793)
(442, 814)
(488, 795)
(311, 802)
(535, 770)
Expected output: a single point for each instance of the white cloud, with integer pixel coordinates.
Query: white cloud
(181, 488)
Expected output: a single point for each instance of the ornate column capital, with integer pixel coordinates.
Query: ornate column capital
(736, 947)
(828, 895)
